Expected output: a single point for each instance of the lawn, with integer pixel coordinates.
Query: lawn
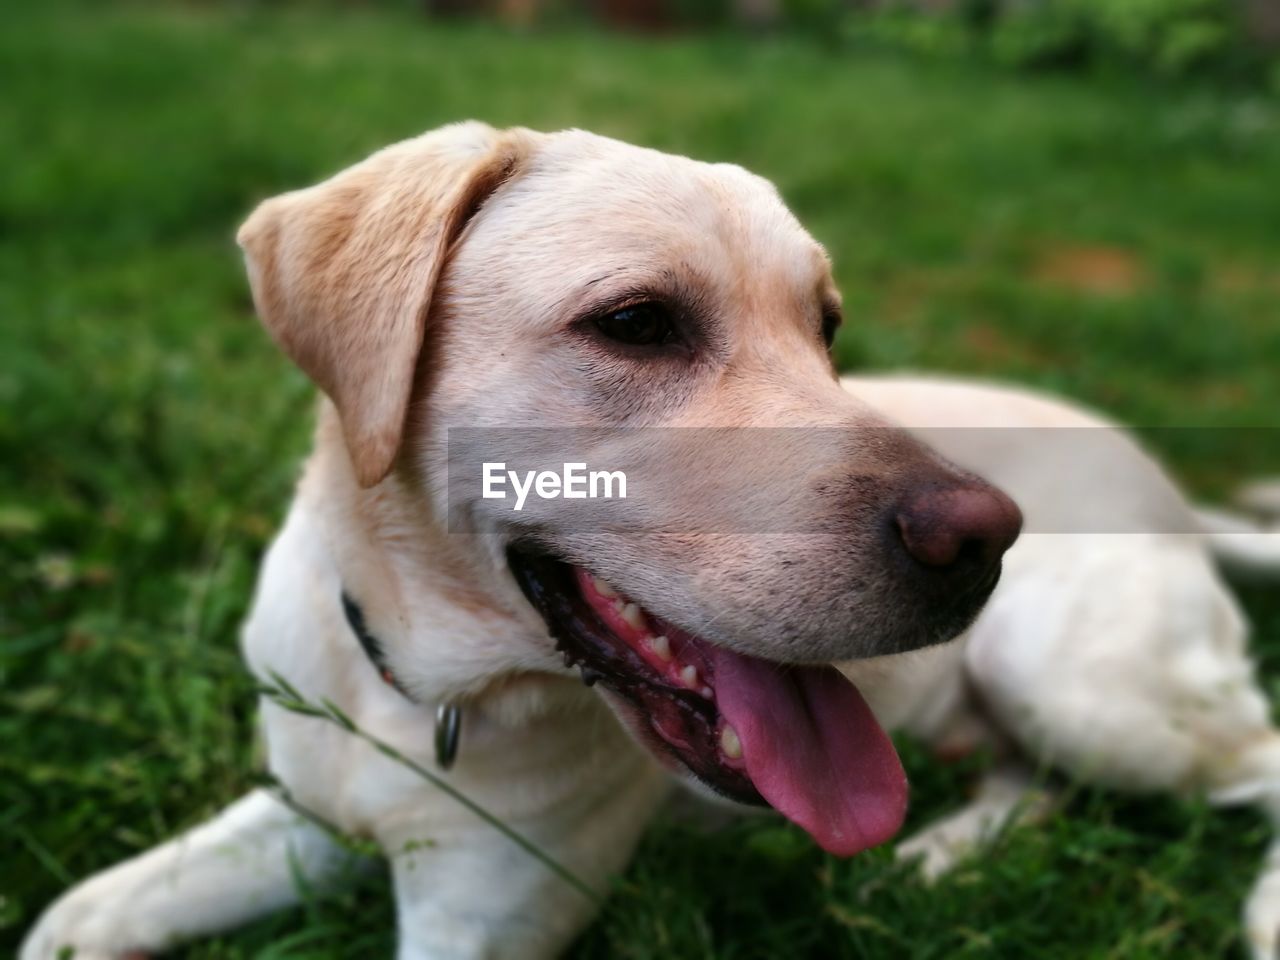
(1104, 237)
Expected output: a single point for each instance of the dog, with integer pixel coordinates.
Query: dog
(504, 283)
(1112, 650)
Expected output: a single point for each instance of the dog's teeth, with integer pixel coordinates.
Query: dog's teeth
(730, 743)
(632, 616)
(689, 676)
(707, 692)
(603, 588)
(661, 647)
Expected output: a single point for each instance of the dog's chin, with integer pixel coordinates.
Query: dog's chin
(799, 738)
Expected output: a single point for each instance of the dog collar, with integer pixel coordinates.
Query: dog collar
(448, 713)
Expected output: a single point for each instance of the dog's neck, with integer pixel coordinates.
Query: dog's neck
(447, 630)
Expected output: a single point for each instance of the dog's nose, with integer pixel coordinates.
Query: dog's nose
(960, 530)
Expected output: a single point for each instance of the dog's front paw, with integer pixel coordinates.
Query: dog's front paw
(79, 926)
(1262, 932)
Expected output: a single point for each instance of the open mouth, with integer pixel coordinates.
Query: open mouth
(799, 738)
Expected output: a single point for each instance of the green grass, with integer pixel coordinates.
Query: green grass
(1117, 242)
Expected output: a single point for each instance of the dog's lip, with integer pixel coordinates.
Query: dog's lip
(661, 673)
(800, 738)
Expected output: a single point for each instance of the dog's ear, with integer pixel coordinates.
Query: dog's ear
(343, 272)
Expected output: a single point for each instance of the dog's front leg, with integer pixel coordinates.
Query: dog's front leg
(478, 895)
(245, 862)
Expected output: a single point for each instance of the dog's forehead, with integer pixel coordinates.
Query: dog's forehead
(592, 204)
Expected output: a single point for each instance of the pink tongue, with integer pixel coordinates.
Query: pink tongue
(814, 750)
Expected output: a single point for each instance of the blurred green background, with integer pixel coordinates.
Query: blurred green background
(1096, 212)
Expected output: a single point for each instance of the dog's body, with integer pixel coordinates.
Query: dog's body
(482, 279)
(1112, 650)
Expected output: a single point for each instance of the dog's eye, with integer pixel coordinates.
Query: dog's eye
(831, 321)
(644, 324)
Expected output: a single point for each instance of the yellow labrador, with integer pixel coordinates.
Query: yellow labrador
(503, 283)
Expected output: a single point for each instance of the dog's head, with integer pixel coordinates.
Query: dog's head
(511, 281)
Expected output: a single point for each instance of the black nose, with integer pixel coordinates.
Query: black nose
(960, 531)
